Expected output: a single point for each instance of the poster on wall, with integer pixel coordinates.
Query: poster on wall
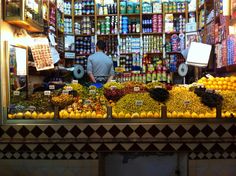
(41, 54)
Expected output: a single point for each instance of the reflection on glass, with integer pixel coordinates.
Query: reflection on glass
(18, 72)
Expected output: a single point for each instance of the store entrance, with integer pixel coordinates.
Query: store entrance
(142, 164)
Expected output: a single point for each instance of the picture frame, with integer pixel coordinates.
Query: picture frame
(191, 37)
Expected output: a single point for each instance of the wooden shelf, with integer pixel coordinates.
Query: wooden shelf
(150, 53)
(28, 24)
(170, 33)
(153, 33)
(84, 35)
(152, 13)
(129, 53)
(173, 52)
(85, 54)
(176, 13)
(132, 14)
(80, 16)
(131, 34)
(67, 15)
(100, 35)
(107, 15)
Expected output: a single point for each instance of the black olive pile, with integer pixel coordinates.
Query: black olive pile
(210, 99)
(159, 94)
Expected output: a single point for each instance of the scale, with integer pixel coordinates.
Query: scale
(183, 70)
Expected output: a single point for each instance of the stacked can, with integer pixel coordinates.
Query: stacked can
(107, 25)
(182, 26)
(152, 44)
(180, 6)
(84, 45)
(111, 44)
(77, 28)
(67, 8)
(124, 26)
(175, 42)
(78, 8)
(68, 25)
(87, 26)
(157, 23)
(87, 7)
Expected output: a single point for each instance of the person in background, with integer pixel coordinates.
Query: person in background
(100, 67)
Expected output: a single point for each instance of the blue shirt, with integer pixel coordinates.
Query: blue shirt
(99, 64)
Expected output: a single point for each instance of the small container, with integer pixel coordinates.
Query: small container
(130, 7)
(123, 7)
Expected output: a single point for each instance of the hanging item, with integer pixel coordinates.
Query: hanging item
(42, 54)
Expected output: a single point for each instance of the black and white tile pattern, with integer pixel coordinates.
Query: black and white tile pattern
(86, 141)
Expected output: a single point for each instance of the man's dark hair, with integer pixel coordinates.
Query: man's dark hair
(101, 45)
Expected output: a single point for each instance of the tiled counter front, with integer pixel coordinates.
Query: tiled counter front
(85, 141)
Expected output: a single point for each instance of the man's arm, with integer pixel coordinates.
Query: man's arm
(111, 74)
(110, 78)
(92, 77)
(90, 70)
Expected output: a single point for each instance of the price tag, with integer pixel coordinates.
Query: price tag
(138, 102)
(75, 82)
(69, 88)
(187, 102)
(16, 93)
(209, 76)
(157, 87)
(136, 89)
(65, 92)
(92, 92)
(51, 87)
(47, 92)
(87, 102)
(113, 87)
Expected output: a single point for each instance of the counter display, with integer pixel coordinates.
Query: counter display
(127, 100)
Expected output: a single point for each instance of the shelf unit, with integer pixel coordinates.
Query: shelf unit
(116, 35)
(24, 15)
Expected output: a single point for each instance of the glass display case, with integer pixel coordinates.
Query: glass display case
(27, 14)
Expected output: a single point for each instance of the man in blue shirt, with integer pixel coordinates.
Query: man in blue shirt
(100, 67)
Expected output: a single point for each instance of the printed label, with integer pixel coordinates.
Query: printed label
(16, 93)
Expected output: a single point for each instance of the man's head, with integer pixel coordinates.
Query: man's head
(101, 45)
